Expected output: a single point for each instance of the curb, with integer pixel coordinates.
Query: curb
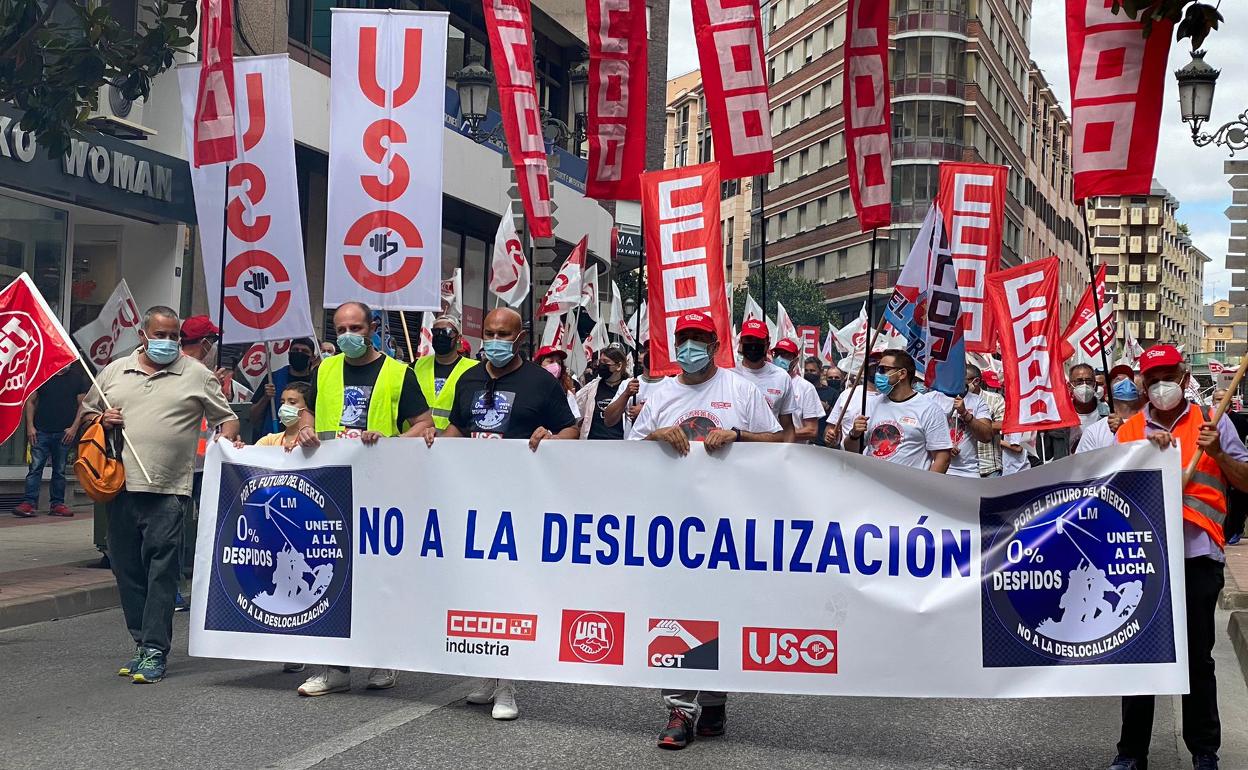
(39, 609)
(1238, 629)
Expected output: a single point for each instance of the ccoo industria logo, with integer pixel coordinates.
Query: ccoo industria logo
(282, 552)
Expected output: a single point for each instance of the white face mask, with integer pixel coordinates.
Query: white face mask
(1085, 394)
(1165, 395)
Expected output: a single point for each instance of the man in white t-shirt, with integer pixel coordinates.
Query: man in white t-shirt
(712, 405)
(807, 408)
(904, 427)
(1127, 401)
(849, 405)
(970, 421)
(776, 385)
(645, 385)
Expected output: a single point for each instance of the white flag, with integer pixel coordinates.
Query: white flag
(565, 291)
(552, 332)
(589, 292)
(453, 295)
(772, 339)
(598, 338)
(424, 347)
(115, 332)
(509, 270)
(784, 325)
(641, 315)
(827, 353)
(752, 310)
(617, 321)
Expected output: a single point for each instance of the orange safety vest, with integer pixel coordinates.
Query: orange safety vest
(1204, 497)
(205, 435)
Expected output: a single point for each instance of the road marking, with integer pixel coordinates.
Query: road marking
(314, 755)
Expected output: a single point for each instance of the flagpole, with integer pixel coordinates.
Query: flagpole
(407, 337)
(762, 241)
(1096, 303)
(641, 265)
(124, 435)
(268, 378)
(225, 237)
(862, 372)
(870, 317)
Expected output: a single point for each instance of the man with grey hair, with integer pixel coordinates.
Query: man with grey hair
(160, 396)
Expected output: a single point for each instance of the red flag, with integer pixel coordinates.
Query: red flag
(1081, 335)
(972, 201)
(734, 82)
(684, 262)
(214, 100)
(510, 27)
(33, 347)
(1025, 304)
(617, 98)
(1117, 80)
(868, 119)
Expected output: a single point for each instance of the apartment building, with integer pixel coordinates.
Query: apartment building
(1223, 331)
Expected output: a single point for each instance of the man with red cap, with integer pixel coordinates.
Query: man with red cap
(1127, 402)
(199, 337)
(1169, 420)
(807, 408)
(717, 407)
(775, 385)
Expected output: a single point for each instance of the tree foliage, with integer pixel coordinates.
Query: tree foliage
(56, 54)
(802, 299)
(1192, 18)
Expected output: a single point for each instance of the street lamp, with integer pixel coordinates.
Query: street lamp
(578, 86)
(1196, 85)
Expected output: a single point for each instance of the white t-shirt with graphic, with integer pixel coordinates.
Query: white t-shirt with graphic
(965, 462)
(774, 383)
(853, 410)
(904, 432)
(725, 401)
(806, 400)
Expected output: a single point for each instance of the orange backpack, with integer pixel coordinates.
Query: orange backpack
(98, 466)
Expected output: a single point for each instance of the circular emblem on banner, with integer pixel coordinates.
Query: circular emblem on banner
(489, 417)
(515, 256)
(255, 361)
(284, 551)
(389, 241)
(257, 289)
(21, 354)
(101, 351)
(1076, 573)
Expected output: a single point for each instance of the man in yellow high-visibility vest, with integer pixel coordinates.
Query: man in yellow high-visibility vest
(438, 374)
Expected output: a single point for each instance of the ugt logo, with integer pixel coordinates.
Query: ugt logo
(592, 637)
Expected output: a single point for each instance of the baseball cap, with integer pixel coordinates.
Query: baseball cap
(695, 321)
(452, 320)
(464, 348)
(1160, 356)
(756, 329)
(550, 350)
(197, 327)
(991, 379)
(786, 346)
(1121, 369)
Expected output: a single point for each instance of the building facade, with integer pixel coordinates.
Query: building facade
(688, 142)
(1223, 330)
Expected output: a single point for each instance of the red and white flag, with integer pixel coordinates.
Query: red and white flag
(1117, 81)
(1080, 339)
(266, 284)
(552, 332)
(212, 132)
(33, 347)
(868, 117)
(618, 324)
(424, 345)
(616, 122)
(1025, 302)
(1216, 367)
(263, 359)
(452, 291)
(785, 330)
(598, 338)
(753, 312)
(565, 291)
(972, 201)
(639, 324)
(115, 332)
(509, 270)
(684, 258)
(510, 27)
(827, 353)
(387, 94)
(729, 36)
(589, 292)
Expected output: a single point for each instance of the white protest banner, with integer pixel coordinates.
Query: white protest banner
(387, 94)
(115, 332)
(1065, 580)
(266, 286)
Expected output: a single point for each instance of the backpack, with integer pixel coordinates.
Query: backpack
(98, 467)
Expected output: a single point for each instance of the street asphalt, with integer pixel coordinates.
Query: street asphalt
(64, 707)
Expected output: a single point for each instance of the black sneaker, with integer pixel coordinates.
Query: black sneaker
(132, 665)
(711, 723)
(679, 731)
(1205, 762)
(151, 668)
(1128, 763)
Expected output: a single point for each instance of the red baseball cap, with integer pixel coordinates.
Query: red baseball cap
(756, 329)
(695, 321)
(550, 350)
(1121, 369)
(197, 327)
(991, 379)
(1160, 356)
(464, 348)
(786, 346)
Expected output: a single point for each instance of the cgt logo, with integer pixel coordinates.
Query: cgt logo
(683, 644)
(491, 625)
(797, 650)
(592, 637)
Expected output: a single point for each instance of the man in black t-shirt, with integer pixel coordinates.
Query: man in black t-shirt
(602, 402)
(51, 427)
(303, 356)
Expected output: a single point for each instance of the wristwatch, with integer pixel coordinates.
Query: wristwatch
(738, 432)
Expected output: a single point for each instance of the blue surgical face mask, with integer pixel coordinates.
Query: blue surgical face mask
(163, 351)
(693, 356)
(781, 362)
(499, 352)
(352, 345)
(882, 383)
(1125, 390)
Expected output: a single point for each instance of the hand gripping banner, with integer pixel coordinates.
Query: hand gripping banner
(729, 35)
(266, 286)
(387, 94)
(1117, 81)
(510, 27)
(972, 200)
(680, 212)
(1025, 303)
(868, 118)
(1066, 580)
(617, 98)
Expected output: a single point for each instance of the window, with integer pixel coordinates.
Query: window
(838, 32)
(1219, 346)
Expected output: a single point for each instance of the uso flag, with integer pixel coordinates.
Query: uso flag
(33, 347)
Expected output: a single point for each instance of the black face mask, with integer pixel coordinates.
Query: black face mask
(442, 343)
(754, 351)
(812, 377)
(604, 371)
(300, 361)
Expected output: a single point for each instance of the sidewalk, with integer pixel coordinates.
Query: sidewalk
(47, 569)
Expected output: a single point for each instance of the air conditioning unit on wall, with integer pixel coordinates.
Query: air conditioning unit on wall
(118, 116)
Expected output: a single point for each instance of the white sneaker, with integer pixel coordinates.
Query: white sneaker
(505, 701)
(484, 693)
(382, 678)
(330, 680)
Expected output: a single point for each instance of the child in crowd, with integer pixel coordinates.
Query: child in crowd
(294, 403)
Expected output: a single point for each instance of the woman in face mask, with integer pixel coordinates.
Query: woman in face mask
(605, 398)
(554, 360)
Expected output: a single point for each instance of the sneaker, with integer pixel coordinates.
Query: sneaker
(24, 511)
(151, 668)
(382, 678)
(181, 603)
(1205, 762)
(679, 731)
(133, 664)
(62, 510)
(711, 723)
(484, 693)
(1127, 763)
(292, 668)
(330, 680)
(1234, 539)
(505, 707)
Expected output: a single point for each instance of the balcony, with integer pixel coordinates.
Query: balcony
(929, 85)
(928, 149)
(932, 20)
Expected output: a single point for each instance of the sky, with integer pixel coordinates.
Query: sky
(1192, 174)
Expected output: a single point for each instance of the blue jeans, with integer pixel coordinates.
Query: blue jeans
(47, 446)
